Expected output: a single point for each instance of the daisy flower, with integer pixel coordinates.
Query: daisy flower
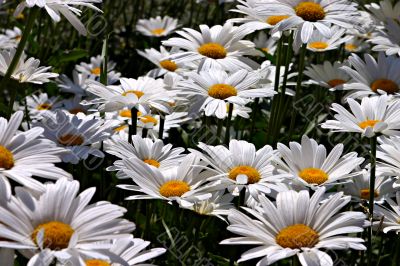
(93, 70)
(319, 43)
(359, 187)
(154, 153)
(26, 71)
(375, 115)
(73, 106)
(391, 216)
(384, 10)
(76, 133)
(77, 85)
(371, 77)
(24, 155)
(306, 16)
(328, 75)
(181, 184)
(157, 27)
(388, 40)
(388, 157)
(38, 104)
(267, 45)
(143, 93)
(216, 47)
(307, 164)
(241, 167)
(60, 225)
(158, 58)
(218, 88)
(56, 8)
(296, 225)
(10, 38)
(356, 45)
(131, 250)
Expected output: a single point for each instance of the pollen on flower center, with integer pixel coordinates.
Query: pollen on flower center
(368, 123)
(310, 11)
(222, 91)
(212, 50)
(97, 263)
(174, 188)
(6, 158)
(350, 47)
(158, 31)
(43, 107)
(56, 234)
(137, 93)
(149, 119)
(71, 140)
(253, 176)
(318, 45)
(365, 193)
(313, 175)
(120, 128)
(386, 85)
(96, 71)
(336, 82)
(152, 162)
(273, 20)
(169, 65)
(297, 236)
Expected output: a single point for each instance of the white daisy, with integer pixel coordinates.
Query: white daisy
(391, 216)
(56, 8)
(388, 157)
(39, 103)
(371, 77)
(388, 40)
(306, 16)
(60, 225)
(157, 27)
(154, 153)
(328, 75)
(76, 133)
(241, 167)
(319, 43)
(181, 184)
(267, 45)
(308, 165)
(218, 88)
(10, 38)
(73, 106)
(76, 86)
(26, 71)
(93, 70)
(24, 155)
(356, 45)
(375, 115)
(384, 10)
(296, 225)
(216, 47)
(131, 250)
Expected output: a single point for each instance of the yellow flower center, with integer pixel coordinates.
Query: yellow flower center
(386, 85)
(56, 234)
(336, 82)
(75, 111)
(265, 49)
(71, 140)
(96, 71)
(368, 123)
(318, 45)
(253, 176)
(6, 158)
(137, 93)
(149, 119)
(120, 128)
(365, 193)
(350, 47)
(297, 236)
(97, 263)
(273, 20)
(310, 11)
(152, 162)
(169, 65)
(174, 188)
(43, 107)
(222, 91)
(158, 31)
(212, 50)
(313, 175)
(125, 113)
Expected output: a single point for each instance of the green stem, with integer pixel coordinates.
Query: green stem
(133, 127)
(219, 131)
(104, 64)
(298, 87)
(18, 53)
(228, 124)
(161, 129)
(371, 195)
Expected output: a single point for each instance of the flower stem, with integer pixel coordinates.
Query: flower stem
(219, 131)
(371, 195)
(18, 53)
(162, 125)
(228, 124)
(133, 127)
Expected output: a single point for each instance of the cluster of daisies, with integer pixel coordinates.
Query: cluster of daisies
(287, 201)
